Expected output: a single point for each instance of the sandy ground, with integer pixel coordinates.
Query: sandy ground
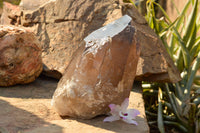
(27, 109)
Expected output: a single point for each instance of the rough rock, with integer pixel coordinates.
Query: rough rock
(62, 25)
(32, 4)
(20, 56)
(102, 72)
(11, 14)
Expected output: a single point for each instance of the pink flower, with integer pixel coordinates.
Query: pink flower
(121, 112)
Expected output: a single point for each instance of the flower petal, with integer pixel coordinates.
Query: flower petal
(132, 113)
(130, 121)
(114, 109)
(112, 106)
(111, 118)
(124, 105)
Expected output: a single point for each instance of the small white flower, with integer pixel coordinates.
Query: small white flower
(121, 112)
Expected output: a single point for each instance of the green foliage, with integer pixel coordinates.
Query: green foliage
(180, 104)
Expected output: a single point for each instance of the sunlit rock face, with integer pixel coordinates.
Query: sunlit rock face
(61, 25)
(20, 56)
(32, 4)
(102, 72)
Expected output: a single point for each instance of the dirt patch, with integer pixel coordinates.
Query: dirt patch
(27, 109)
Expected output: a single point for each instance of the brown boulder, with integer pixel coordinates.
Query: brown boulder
(62, 25)
(102, 72)
(20, 56)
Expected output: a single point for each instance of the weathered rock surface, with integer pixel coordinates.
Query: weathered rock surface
(20, 56)
(32, 4)
(102, 72)
(62, 25)
(11, 14)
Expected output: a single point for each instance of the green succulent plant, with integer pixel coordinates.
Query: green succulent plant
(178, 103)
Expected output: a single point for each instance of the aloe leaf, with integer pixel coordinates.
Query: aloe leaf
(150, 13)
(198, 121)
(198, 26)
(180, 60)
(153, 17)
(196, 82)
(184, 80)
(197, 77)
(150, 90)
(160, 114)
(182, 120)
(196, 86)
(174, 5)
(172, 44)
(163, 11)
(164, 31)
(197, 125)
(184, 50)
(173, 41)
(177, 103)
(182, 15)
(192, 21)
(169, 106)
(192, 38)
(192, 2)
(176, 124)
(152, 122)
(192, 116)
(197, 101)
(130, 1)
(179, 91)
(166, 117)
(162, 22)
(166, 46)
(156, 26)
(198, 22)
(193, 71)
(150, 21)
(196, 48)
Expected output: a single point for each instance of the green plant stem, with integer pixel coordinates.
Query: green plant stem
(168, 105)
(169, 118)
(197, 101)
(176, 125)
(182, 120)
(194, 69)
(177, 26)
(179, 91)
(191, 23)
(160, 113)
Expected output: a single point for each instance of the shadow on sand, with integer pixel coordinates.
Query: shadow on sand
(27, 109)
(43, 87)
(15, 120)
